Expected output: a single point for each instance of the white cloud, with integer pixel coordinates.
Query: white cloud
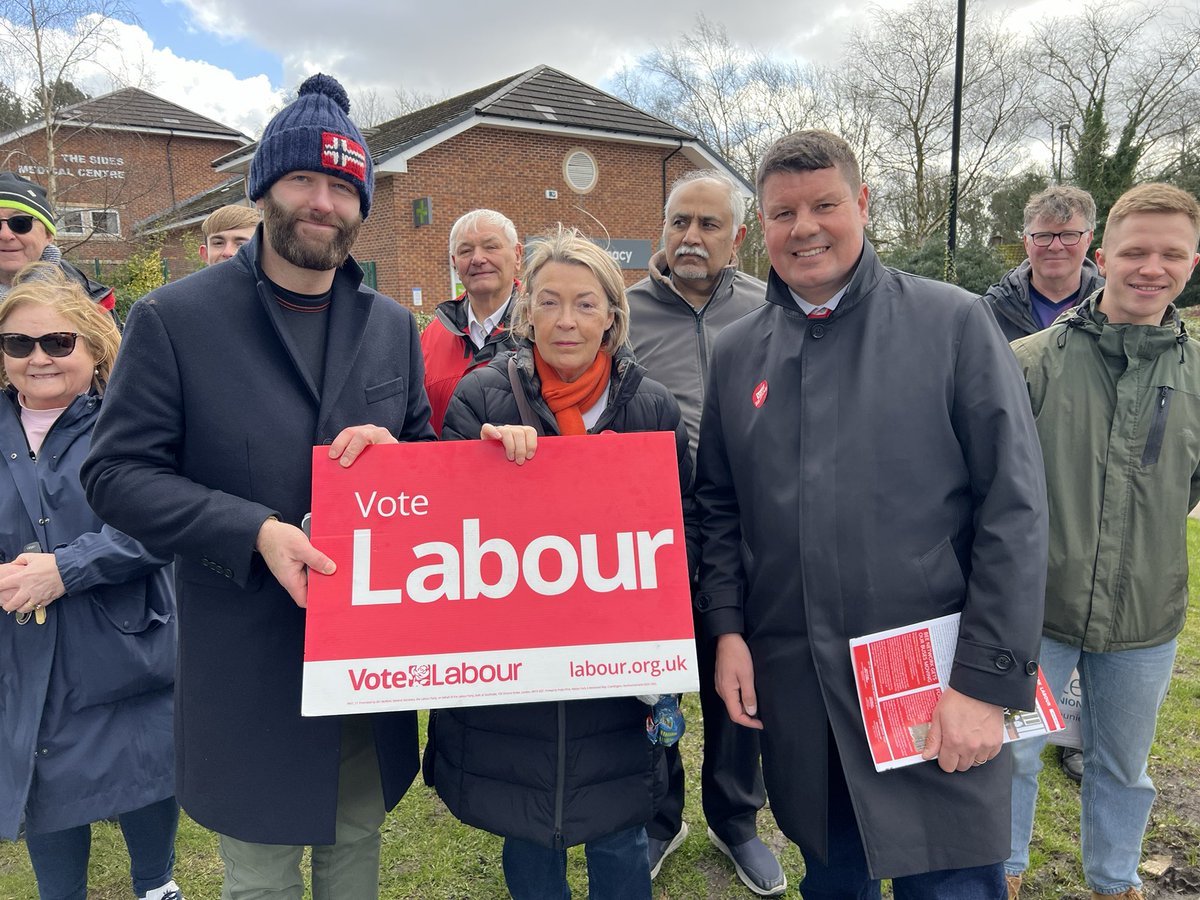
(243, 103)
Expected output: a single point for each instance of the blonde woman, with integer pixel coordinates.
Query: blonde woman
(87, 645)
(548, 776)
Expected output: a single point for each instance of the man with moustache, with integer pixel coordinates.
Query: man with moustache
(693, 291)
(204, 450)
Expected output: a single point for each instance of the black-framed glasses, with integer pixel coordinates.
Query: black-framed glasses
(57, 344)
(18, 224)
(1067, 238)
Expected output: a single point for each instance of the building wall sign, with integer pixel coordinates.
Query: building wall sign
(81, 165)
(626, 254)
(629, 254)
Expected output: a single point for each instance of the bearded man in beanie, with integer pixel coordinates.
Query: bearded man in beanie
(27, 235)
(204, 451)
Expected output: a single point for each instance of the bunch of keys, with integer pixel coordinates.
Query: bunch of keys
(39, 616)
(38, 613)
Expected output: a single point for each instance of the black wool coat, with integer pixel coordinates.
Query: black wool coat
(207, 430)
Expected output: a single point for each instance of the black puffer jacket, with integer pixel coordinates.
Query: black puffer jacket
(564, 773)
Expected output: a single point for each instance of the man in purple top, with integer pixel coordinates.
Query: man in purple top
(1059, 224)
(1057, 276)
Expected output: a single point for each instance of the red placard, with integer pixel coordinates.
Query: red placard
(464, 579)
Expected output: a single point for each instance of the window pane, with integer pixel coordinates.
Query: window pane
(71, 222)
(106, 222)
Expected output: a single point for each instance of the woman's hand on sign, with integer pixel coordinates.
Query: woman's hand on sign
(352, 441)
(520, 441)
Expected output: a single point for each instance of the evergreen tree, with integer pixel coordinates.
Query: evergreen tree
(12, 113)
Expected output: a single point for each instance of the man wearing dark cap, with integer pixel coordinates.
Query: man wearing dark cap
(204, 450)
(26, 234)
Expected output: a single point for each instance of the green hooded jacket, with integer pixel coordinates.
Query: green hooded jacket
(1118, 413)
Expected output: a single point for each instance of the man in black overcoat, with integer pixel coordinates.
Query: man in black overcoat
(867, 461)
(226, 381)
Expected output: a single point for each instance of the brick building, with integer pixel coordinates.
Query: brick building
(118, 159)
(541, 147)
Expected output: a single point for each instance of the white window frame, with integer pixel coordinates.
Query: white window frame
(87, 220)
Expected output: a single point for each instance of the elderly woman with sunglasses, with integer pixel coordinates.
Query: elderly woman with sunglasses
(87, 642)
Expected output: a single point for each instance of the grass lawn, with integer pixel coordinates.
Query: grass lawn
(429, 855)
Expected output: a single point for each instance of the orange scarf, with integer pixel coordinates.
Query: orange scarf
(568, 399)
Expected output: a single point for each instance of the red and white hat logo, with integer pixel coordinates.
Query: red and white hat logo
(760, 394)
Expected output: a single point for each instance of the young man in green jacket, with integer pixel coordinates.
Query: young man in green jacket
(1115, 388)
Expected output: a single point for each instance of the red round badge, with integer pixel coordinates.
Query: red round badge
(760, 394)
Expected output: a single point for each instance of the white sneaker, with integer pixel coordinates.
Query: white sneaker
(659, 850)
(169, 891)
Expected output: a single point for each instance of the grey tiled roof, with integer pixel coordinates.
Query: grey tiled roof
(231, 192)
(135, 108)
(542, 94)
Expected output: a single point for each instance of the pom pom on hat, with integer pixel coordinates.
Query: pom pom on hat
(314, 133)
(327, 85)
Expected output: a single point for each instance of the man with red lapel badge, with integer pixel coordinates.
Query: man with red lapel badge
(867, 460)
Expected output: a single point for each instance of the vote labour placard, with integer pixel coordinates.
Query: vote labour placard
(463, 579)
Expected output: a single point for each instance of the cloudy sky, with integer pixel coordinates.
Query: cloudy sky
(236, 60)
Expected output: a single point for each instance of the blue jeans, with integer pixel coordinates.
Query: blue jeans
(617, 864)
(1121, 694)
(60, 858)
(844, 875)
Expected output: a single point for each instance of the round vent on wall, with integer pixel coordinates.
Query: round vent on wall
(580, 171)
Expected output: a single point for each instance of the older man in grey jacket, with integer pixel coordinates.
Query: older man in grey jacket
(693, 291)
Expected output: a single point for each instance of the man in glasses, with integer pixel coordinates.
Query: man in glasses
(226, 380)
(26, 233)
(1057, 276)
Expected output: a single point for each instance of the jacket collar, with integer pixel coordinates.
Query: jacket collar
(867, 272)
(1121, 339)
(349, 309)
(76, 418)
(626, 376)
(660, 276)
(453, 313)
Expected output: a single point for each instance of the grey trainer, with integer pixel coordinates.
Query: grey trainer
(755, 864)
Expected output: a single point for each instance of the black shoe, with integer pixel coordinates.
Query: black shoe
(659, 850)
(1070, 761)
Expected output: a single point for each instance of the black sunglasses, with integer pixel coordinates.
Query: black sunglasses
(18, 224)
(57, 344)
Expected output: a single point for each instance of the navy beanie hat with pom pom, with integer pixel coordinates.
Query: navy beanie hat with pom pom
(314, 134)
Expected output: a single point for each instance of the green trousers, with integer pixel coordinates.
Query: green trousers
(349, 868)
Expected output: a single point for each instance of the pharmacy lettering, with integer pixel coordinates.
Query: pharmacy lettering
(465, 580)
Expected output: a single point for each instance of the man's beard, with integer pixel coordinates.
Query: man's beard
(279, 225)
